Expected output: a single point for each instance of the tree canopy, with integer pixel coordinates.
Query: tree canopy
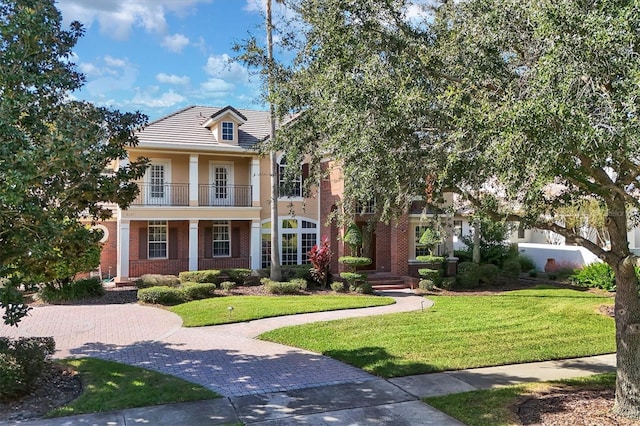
(55, 152)
(523, 108)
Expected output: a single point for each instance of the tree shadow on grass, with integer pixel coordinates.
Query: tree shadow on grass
(378, 361)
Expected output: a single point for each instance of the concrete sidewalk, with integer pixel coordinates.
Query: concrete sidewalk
(375, 402)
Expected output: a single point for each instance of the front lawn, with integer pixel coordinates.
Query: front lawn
(464, 332)
(216, 310)
(110, 386)
(495, 407)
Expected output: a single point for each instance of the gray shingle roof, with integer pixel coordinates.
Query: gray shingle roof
(185, 126)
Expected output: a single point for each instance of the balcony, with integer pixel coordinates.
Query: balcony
(177, 194)
(225, 196)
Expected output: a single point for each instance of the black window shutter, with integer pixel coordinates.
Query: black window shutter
(142, 243)
(208, 242)
(173, 242)
(235, 241)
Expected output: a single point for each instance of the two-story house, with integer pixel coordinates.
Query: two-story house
(204, 204)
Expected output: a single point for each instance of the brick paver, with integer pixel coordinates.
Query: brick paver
(226, 359)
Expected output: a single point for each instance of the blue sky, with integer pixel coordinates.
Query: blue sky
(157, 56)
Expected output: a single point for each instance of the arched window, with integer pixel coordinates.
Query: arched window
(297, 236)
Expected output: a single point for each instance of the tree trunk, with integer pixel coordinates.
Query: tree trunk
(276, 270)
(627, 315)
(476, 242)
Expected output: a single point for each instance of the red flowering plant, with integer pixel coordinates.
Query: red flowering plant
(320, 258)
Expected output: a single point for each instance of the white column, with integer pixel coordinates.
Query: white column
(256, 245)
(193, 245)
(193, 180)
(122, 265)
(255, 181)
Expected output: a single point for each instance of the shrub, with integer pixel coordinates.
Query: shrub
(430, 259)
(363, 288)
(426, 285)
(354, 262)
(352, 278)
(288, 287)
(297, 272)
(533, 273)
(595, 275)
(526, 263)
(489, 274)
(448, 283)
(74, 290)
(511, 269)
(155, 280)
(468, 275)
(22, 363)
(204, 276)
(228, 285)
(237, 275)
(197, 291)
(353, 238)
(161, 295)
(338, 287)
(431, 275)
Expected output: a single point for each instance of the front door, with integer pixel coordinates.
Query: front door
(368, 245)
(221, 185)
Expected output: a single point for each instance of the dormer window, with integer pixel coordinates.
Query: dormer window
(227, 131)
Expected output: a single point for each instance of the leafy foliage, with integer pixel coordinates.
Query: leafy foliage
(72, 291)
(596, 275)
(203, 276)
(488, 274)
(320, 257)
(468, 275)
(288, 287)
(22, 363)
(353, 237)
(53, 154)
(154, 280)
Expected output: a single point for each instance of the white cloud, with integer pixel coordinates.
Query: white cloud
(175, 43)
(118, 17)
(216, 86)
(223, 67)
(115, 62)
(150, 100)
(172, 79)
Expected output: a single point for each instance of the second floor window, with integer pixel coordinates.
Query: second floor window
(227, 131)
(289, 187)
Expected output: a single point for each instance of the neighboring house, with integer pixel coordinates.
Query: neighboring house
(204, 203)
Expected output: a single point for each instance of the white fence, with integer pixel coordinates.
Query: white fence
(564, 255)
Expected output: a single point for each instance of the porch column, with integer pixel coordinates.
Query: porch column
(122, 262)
(193, 245)
(193, 180)
(256, 245)
(255, 182)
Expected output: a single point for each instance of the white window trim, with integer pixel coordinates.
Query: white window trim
(167, 177)
(233, 131)
(298, 231)
(213, 234)
(288, 197)
(166, 225)
(230, 178)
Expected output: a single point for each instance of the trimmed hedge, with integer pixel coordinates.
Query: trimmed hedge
(434, 275)
(204, 276)
(237, 275)
(489, 274)
(511, 268)
(228, 285)
(22, 363)
(197, 291)
(161, 295)
(426, 285)
(430, 259)
(354, 261)
(468, 275)
(287, 287)
(155, 280)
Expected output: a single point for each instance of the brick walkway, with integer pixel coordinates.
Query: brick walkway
(224, 358)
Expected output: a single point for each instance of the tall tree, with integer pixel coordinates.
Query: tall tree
(54, 151)
(522, 107)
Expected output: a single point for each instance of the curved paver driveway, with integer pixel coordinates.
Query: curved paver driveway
(223, 358)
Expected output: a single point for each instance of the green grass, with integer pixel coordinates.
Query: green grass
(463, 332)
(110, 386)
(246, 308)
(493, 407)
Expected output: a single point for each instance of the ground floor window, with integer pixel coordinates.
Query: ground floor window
(221, 238)
(297, 236)
(157, 240)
